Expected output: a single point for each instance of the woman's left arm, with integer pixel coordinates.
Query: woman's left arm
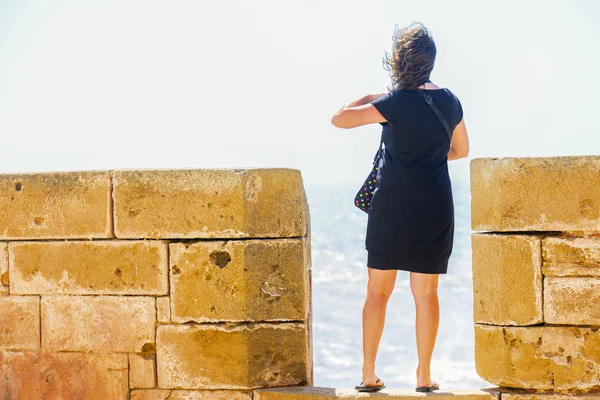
(358, 112)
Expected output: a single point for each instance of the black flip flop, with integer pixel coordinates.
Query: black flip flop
(431, 388)
(363, 388)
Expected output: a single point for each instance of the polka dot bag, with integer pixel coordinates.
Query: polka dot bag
(364, 195)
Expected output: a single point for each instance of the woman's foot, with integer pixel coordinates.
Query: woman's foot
(369, 378)
(425, 380)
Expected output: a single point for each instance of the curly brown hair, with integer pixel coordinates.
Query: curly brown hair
(412, 58)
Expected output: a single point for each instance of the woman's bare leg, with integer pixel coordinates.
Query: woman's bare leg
(379, 289)
(424, 290)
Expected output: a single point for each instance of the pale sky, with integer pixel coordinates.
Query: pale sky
(103, 84)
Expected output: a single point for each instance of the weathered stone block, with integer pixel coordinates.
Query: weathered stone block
(98, 323)
(322, 393)
(89, 267)
(549, 396)
(571, 256)
(572, 300)
(19, 322)
(141, 371)
(216, 356)
(239, 280)
(507, 279)
(43, 375)
(210, 203)
(163, 309)
(559, 358)
(55, 205)
(164, 394)
(4, 279)
(535, 193)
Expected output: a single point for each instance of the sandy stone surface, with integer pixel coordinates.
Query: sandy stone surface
(535, 193)
(572, 300)
(217, 356)
(507, 279)
(51, 205)
(98, 323)
(210, 203)
(165, 394)
(89, 267)
(560, 358)
(571, 256)
(19, 322)
(239, 280)
(43, 375)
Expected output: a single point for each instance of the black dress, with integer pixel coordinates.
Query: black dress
(410, 223)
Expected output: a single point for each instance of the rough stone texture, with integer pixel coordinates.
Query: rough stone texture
(163, 309)
(89, 267)
(19, 322)
(322, 393)
(217, 356)
(210, 203)
(164, 394)
(141, 371)
(4, 291)
(571, 256)
(98, 323)
(535, 193)
(239, 280)
(4, 279)
(560, 358)
(34, 375)
(549, 396)
(52, 205)
(507, 279)
(572, 300)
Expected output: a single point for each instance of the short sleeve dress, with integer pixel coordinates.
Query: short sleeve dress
(410, 223)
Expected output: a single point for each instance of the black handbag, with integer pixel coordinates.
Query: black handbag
(362, 200)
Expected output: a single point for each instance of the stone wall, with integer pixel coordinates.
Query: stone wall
(148, 284)
(195, 284)
(536, 273)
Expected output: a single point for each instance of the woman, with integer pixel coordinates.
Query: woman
(411, 217)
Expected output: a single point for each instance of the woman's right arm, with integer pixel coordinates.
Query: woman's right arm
(459, 147)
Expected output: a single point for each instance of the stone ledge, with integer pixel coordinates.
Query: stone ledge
(323, 393)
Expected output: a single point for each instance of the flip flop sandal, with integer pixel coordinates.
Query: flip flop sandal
(363, 388)
(431, 388)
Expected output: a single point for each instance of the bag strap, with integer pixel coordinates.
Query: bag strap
(429, 100)
(379, 150)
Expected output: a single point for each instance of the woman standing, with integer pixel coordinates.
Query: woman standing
(411, 217)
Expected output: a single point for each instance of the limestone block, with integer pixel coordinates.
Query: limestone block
(239, 280)
(98, 323)
(507, 279)
(571, 256)
(163, 309)
(549, 396)
(323, 393)
(217, 356)
(89, 267)
(210, 203)
(55, 205)
(4, 291)
(44, 375)
(560, 358)
(19, 322)
(572, 300)
(535, 193)
(164, 394)
(141, 371)
(4, 280)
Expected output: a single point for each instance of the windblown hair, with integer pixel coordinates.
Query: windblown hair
(412, 58)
